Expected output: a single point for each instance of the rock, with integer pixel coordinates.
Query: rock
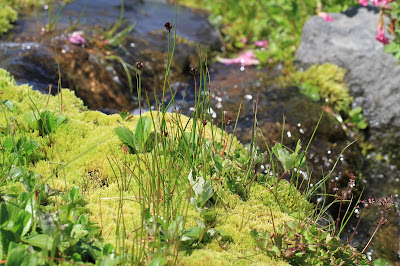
(30, 62)
(349, 42)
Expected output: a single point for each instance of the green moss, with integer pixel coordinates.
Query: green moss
(85, 151)
(238, 219)
(8, 15)
(9, 11)
(329, 80)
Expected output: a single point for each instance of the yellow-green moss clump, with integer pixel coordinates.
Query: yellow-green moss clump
(329, 79)
(9, 11)
(8, 15)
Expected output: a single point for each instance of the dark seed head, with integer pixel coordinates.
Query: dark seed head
(204, 122)
(168, 26)
(138, 65)
(193, 71)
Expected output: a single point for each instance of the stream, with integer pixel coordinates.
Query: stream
(29, 53)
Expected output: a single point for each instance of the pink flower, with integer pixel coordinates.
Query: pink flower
(244, 40)
(380, 37)
(77, 38)
(261, 43)
(325, 16)
(244, 59)
(105, 42)
(124, 149)
(363, 2)
(377, 2)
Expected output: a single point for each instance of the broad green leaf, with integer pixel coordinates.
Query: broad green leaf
(31, 119)
(192, 233)
(9, 105)
(16, 173)
(22, 255)
(206, 192)
(391, 47)
(78, 232)
(60, 120)
(41, 241)
(74, 193)
(126, 135)
(27, 146)
(217, 159)
(108, 249)
(8, 144)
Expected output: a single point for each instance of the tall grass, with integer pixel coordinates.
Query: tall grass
(181, 164)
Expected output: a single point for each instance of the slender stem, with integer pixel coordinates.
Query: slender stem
(338, 218)
(381, 221)
(355, 229)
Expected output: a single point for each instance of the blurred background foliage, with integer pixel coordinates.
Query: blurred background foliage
(241, 23)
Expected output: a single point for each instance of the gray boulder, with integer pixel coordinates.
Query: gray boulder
(349, 42)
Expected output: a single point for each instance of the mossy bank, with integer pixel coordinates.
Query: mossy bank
(80, 148)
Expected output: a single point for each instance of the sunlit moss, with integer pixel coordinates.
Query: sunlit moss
(238, 219)
(9, 12)
(329, 79)
(84, 151)
(210, 257)
(8, 15)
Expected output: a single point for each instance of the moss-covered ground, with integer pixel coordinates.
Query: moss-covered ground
(84, 151)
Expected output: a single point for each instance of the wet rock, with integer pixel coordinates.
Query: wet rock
(349, 41)
(102, 81)
(30, 62)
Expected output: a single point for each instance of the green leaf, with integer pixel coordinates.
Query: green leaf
(9, 105)
(78, 232)
(202, 189)
(46, 122)
(74, 193)
(125, 115)
(392, 47)
(27, 147)
(60, 120)
(283, 156)
(217, 159)
(41, 241)
(108, 249)
(16, 173)
(25, 218)
(31, 119)
(8, 144)
(21, 255)
(126, 136)
(287, 159)
(142, 132)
